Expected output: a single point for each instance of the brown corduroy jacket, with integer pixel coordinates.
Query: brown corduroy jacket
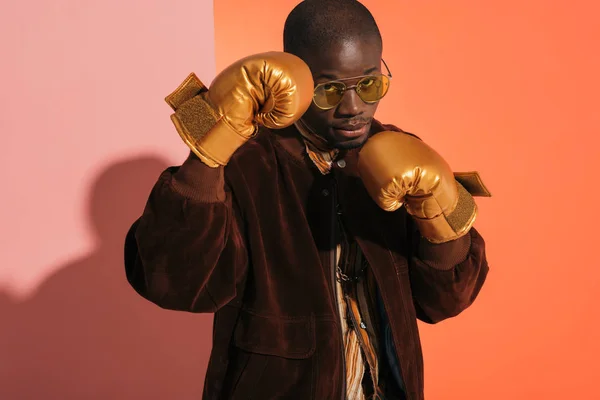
(251, 243)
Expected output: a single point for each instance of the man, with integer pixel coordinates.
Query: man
(317, 235)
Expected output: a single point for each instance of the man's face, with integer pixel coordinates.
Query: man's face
(346, 125)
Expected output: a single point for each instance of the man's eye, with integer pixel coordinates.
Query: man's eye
(368, 82)
(329, 88)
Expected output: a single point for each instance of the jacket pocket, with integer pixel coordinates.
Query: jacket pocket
(285, 337)
(273, 357)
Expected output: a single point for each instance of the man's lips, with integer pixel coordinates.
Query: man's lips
(351, 130)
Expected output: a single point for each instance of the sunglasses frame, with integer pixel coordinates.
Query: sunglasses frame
(352, 87)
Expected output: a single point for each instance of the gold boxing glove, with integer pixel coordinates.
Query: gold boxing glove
(272, 89)
(397, 168)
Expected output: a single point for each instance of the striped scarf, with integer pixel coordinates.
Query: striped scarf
(316, 147)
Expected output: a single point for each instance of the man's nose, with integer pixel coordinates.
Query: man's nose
(350, 104)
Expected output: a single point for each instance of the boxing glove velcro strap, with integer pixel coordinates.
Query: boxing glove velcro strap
(473, 183)
(189, 88)
(448, 226)
(195, 116)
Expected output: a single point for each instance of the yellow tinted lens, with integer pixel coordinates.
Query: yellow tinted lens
(373, 88)
(328, 95)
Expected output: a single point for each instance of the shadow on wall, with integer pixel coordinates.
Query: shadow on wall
(86, 334)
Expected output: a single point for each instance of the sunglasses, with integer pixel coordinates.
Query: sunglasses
(370, 89)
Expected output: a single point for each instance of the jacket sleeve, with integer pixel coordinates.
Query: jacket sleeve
(446, 278)
(187, 251)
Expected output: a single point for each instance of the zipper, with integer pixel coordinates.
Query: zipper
(335, 212)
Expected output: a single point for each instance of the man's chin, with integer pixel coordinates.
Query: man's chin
(349, 144)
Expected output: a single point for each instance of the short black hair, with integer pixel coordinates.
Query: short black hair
(315, 24)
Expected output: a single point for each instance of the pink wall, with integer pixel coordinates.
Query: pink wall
(85, 134)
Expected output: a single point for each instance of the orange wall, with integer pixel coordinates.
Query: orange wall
(511, 89)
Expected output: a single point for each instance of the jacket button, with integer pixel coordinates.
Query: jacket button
(325, 192)
(341, 163)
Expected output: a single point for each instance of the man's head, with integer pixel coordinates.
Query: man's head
(340, 42)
